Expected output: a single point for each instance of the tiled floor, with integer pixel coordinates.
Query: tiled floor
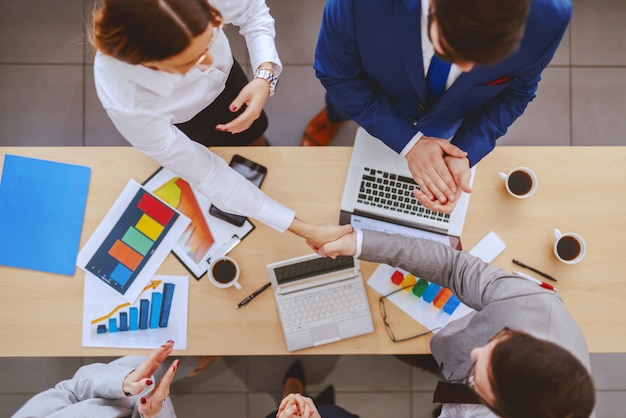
(48, 98)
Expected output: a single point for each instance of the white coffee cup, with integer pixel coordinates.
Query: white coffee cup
(224, 272)
(520, 182)
(569, 248)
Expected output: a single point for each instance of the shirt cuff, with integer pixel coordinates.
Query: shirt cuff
(275, 215)
(411, 144)
(359, 242)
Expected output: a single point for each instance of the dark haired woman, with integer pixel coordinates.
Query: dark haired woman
(165, 75)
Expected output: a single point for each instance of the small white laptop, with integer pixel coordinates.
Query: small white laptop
(379, 189)
(320, 300)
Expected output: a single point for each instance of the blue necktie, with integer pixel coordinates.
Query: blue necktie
(436, 78)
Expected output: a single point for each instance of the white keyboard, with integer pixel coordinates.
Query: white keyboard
(335, 303)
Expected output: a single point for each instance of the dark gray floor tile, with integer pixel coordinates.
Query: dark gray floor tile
(299, 97)
(376, 404)
(546, 120)
(562, 54)
(598, 32)
(422, 404)
(608, 371)
(9, 404)
(297, 27)
(35, 374)
(266, 373)
(610, 404)
(227, 374)
(193, 405)
(40, 31)
(41, 105)
(598, 103)
(99, 130)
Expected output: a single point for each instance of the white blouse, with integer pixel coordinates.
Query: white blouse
(144, 104)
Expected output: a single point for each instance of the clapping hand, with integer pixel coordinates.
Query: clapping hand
(141, 378)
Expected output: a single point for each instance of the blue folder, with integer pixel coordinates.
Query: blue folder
(42, 209)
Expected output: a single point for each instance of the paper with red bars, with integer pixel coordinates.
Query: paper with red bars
(427, 303)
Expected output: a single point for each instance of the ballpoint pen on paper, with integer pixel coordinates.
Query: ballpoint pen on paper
(253, 295)
(537, 281)
(541, 273)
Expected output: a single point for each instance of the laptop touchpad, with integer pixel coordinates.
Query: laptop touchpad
(325, 333)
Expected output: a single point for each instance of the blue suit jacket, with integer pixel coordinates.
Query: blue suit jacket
(369, 59)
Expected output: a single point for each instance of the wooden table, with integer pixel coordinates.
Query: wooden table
(580, 189)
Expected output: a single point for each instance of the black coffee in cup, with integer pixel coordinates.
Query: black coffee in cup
(568, 248)
(224, 271)
(520, 183)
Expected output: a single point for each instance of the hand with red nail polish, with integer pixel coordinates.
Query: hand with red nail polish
(251, 100)
(137, 380)
(152, 404)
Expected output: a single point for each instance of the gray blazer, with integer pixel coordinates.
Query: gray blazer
(95, 391)
(499, 298)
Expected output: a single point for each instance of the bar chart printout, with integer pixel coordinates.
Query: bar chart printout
(133, 239)
(428, 303)
(159, 314)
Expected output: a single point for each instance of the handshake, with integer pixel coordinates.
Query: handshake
(328, 240)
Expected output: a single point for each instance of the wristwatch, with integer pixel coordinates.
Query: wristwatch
(268, 76)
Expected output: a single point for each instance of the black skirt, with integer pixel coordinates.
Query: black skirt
(201, 128)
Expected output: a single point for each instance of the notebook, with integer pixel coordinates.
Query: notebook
(320, 300)
(378, 194)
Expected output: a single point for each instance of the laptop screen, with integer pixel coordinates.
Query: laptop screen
(311, 268)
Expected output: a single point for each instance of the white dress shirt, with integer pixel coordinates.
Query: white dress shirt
(144, 104)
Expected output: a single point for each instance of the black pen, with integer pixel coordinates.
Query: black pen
(253, 295)
(541, 273)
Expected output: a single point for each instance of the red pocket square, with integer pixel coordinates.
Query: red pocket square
(498, 81)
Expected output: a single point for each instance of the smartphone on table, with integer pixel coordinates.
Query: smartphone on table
(254, 172)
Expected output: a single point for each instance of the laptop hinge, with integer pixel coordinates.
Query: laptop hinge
(418, 225)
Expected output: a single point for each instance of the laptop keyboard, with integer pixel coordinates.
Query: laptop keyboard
(394, 192)
(335, 304)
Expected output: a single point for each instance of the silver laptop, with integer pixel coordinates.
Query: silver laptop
(379, 186)
(320, 300)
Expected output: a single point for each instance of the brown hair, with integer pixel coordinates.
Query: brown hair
(481, 31)
(138, 31)
(536, 378)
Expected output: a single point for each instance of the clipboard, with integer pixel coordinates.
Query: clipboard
(207, 237)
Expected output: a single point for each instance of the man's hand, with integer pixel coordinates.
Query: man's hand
(317, 235)
(431, 173)
(460, 170)
(345, 245)
(295, 405)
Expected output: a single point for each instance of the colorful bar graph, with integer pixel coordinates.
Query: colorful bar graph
(148, 313)
(132, 241)
(431, 293)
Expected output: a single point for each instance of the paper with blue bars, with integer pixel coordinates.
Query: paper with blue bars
(159, 314)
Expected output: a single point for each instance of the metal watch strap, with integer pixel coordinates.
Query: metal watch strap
(268, 76)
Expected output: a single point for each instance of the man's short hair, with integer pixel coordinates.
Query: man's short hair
(536, 378)
(482, 31)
